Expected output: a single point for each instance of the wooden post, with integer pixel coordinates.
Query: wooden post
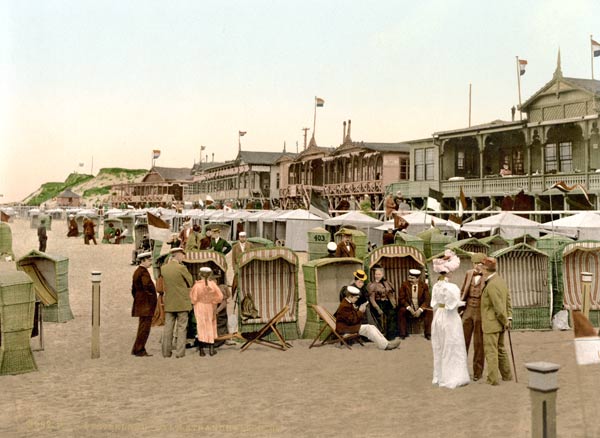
(96, 279)
(586, 285)
(543, 385)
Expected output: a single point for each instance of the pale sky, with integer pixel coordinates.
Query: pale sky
(115, 79)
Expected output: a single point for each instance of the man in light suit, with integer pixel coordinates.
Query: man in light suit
(496, 318)
(178, 281)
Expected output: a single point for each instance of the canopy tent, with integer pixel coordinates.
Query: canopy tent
(291, 228)
(583, 226)
(354, 218)
(266, 225)
(528, 274)
(270, 277)
(420, 221)
(252, 224)
(577, 257)
(323, 280)
(510, 225)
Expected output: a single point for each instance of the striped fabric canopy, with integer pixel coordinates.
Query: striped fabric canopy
(580, 257)
(270, 276)
(396, 261)
(526, 272)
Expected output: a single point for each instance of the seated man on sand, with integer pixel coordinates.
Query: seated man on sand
(349, 317)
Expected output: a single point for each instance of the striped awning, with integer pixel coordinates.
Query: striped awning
(580, 257)
(203, 256)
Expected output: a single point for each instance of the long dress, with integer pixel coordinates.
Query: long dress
(205, 299)
(447, 339)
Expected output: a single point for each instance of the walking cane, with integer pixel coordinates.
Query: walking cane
(512, 355)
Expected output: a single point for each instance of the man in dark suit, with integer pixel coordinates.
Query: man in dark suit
(348, 320)
(346, 248)
(144, 303)
(414, 302)
(217, 243)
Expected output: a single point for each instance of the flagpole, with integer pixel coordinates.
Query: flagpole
(315, 117)
(592, 54)
(469, 105)
(519, 87)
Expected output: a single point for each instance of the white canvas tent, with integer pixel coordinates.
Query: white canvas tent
(362, 221)
(509, 225)
(292, 228)
(584, 226)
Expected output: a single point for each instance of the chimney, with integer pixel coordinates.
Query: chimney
(344, 136)
(213, 157)
(349, 127)
(284, 146)
(512, 112)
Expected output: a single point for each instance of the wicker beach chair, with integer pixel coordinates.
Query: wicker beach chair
(334, 337)
(270, 327)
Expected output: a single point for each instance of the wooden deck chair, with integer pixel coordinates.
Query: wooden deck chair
(334, 337)
(268, 328)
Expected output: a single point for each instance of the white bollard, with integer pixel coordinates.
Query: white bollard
(96, 278)
(543, 385)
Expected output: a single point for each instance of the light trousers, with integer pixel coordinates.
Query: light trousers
(373, 334)
(181, 318)
(496, 357)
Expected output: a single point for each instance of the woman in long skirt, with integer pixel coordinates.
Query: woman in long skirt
(447, 339)
(205, 296)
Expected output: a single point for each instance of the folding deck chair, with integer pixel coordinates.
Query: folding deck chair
(334, 337)
(267, 329)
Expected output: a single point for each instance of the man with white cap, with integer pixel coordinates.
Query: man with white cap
(331, 248)
(177, 280)
(144, 303)
(241, 247)
(414, 302)
(349, 317)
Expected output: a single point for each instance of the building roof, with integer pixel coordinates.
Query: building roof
(384, 147)
(204, 166)
(493, 125)
(173, 173)
(256, 157)
(68, 193)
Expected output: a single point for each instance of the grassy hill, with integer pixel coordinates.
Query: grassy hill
(94, 189)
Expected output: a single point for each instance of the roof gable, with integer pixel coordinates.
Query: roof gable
(171, 173)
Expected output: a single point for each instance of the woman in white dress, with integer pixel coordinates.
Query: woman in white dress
(447, 340)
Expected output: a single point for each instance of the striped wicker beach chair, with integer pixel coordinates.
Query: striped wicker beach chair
(270, 277)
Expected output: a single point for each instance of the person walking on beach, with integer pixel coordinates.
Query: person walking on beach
(471, 294)
(42, 236)
(144, 303)
(177, 280)
(73, 228)
(88, 231)
(496, 318)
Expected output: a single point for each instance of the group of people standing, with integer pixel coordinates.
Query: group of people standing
(486, 317)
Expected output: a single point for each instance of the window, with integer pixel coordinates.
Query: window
(403, 169)
(558, 159)
(424, 164)
(460, 160)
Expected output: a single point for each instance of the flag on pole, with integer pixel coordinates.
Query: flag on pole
(242, 133)
(522, 66)
(587, 340)
(564, 188)
(318, 205)
(155, 154)
(595, 48)
(319, 102)
(462, 204)
(157, 228)
(202, 148)
(434, 200)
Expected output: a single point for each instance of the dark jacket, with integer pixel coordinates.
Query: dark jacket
(144, 293)
(423, 297)
(348, 318)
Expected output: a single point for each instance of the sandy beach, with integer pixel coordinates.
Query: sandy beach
(322, 392)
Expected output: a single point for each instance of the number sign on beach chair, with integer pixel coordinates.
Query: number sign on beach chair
(267, 329)
(334, 337)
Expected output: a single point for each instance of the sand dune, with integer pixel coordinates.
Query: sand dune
(324, 392)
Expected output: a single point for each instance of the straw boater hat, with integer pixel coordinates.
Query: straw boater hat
(359, 274)
(345, 232)
(449, 262)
